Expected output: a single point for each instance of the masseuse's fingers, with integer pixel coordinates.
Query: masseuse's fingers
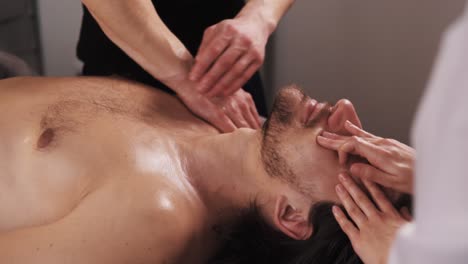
(225, 83)
(241, 109)
(380, 198)
(337, 142)
(208, 36)
(405, 213)
(371, 173)
(353, 210)
(392, 161)
(230, 53)
(216, 117)
(331, 141)
(206, 57)
(244, 76)
(359, 197)
(372, 240)
(356, 131)
(334, 142)
(222, 67)
(231, 64)
(250, 113)
(236, 115)
(209, 110)
(220, 120)
(376, 155)
(234, 108)
(334, 136)
(251, 119)
(248, 108)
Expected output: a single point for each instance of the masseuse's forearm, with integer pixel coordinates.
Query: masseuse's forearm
(268, 11)
(137, 29)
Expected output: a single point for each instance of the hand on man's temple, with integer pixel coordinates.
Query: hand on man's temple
(374, 229)
(230, 53)
(225, 113)
(391, 162)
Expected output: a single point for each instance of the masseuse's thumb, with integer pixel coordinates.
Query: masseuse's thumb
(362, 147)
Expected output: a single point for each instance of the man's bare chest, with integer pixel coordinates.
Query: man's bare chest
(46, 169)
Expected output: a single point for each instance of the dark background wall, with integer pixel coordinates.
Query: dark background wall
(59, 24)
(19, 32)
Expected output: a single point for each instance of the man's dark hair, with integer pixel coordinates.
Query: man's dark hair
(252, 240)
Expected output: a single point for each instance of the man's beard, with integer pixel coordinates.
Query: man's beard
(274, 127)
(280, 120)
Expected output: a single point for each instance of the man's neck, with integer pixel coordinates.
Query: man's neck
(226, 170)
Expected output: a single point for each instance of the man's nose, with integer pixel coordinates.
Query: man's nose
(343, 110)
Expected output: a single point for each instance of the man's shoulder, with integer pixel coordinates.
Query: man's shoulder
(152, 221)
(174, 209)
(163, 205)
(172, 218)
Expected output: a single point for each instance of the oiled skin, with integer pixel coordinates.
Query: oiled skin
(90, 173)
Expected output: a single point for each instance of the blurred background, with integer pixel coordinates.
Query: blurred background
(379, 54)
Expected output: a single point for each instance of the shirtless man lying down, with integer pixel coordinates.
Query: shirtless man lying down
(96, 170)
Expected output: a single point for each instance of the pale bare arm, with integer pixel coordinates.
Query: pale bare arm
(271, 11)
(138, 30)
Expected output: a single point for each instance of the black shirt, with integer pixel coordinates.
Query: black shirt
(187, 19)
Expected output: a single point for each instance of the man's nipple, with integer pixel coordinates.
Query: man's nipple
(46, 138)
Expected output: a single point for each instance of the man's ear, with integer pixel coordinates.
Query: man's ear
(291, 221)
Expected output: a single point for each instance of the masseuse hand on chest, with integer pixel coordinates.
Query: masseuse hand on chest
(231, 52)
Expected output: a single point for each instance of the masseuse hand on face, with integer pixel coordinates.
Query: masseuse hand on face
(375, 225)
(390, 162)
(230, 53)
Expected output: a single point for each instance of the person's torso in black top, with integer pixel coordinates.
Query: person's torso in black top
(187, 19)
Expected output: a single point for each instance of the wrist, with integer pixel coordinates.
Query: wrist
(178, 79)
(269, 12)
(183, 87)
(180, 85)
(261, 16)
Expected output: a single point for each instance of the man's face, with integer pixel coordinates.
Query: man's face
(289, 149)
